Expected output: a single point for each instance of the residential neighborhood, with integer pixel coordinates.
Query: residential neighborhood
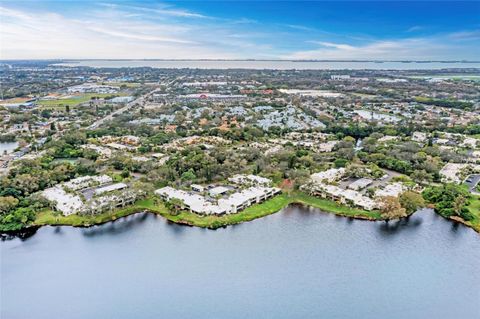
(376, 144)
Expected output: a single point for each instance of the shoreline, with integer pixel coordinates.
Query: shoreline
(155, 206)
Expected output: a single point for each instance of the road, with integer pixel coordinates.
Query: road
(138, 101)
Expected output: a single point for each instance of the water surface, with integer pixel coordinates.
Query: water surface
(7, 147)
(274, 65)
(299, 263)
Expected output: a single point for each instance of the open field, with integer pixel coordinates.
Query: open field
(74, 100)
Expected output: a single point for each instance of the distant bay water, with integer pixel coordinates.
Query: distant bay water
(272, 64)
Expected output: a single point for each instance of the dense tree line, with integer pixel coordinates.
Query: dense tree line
(449, 200)
(455, 104)
(18, 199)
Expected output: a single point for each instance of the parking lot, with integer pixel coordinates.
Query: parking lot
(472, 181)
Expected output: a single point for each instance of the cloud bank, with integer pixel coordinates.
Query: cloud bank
(111, 30)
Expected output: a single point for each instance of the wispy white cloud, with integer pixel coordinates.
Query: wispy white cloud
(299, 27)
(415, 28)
(465, 35)
(425, 48)
(339, 46)
(111, 30)
(137, 36)
(164, 10)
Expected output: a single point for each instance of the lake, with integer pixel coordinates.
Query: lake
(299, 263)
(8, 147)
(274, 65)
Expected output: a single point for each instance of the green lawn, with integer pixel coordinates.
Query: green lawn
(73, 101)
(49, 217)
(474, 208)
(253, 212)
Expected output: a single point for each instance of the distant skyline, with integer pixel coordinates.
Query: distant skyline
(240, 30)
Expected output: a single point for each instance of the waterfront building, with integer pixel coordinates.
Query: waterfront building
(228, 204)
(89, 195)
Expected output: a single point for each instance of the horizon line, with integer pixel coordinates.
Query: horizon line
(246, 59)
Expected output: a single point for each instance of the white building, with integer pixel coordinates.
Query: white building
(100, 150)
(451, 172)
(66, 203)
(218, 190)
(249, 179)
(337, 77)
(394, 189)
(329, 175)
(122, 99)
(92, 88)
(89, 194)
(352, 195)
(86, 181)
(110, 188)
(205, 205)
(360, 184)
(419, 137)
(344, 196)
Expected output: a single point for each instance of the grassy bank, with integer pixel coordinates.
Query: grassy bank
(269, 207)
(474, 208)
(253, 212)
(49, 217)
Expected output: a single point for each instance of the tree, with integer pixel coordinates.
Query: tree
(125, 173)
(189, 175)
(17, 219)
(391, 208)
(449, 199)
(175, 205)
(411, 201)
(421, 176)
(7, 203)
(340, 162)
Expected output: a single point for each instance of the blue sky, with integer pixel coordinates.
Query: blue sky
(237, 30)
